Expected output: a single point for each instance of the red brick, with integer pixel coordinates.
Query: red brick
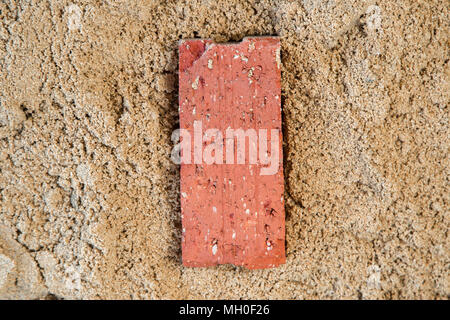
(231, 213)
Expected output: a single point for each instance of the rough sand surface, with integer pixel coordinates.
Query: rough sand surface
(89, 197)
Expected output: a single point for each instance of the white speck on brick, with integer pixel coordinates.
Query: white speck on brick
(195, 83)
(214, 249)
(210, 64)
(250, 72)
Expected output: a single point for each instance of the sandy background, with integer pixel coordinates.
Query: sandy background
(89, 196)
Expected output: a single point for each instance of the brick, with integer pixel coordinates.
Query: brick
(230, 212)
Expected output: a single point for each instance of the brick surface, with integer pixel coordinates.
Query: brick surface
(231, 213)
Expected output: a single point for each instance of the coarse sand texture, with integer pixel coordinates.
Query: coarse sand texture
(90, 198)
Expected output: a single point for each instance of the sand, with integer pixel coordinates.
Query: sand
(90, 198)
